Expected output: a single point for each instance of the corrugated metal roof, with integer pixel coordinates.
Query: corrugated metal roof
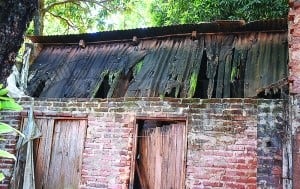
(212, 27)
(212, 65)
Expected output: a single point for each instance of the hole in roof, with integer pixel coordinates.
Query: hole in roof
(271, 94)
(123, 84)
(104, 88)
(269, 144)
(172, 93)
(39, 89)
(202, 80)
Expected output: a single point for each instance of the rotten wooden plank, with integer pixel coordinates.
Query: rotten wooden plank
(225, 61)
(161, 152)
(213, 54)
(43, 151)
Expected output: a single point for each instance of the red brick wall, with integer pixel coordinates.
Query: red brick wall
(6, 165)
(271, 135)
(294, 68)
(295, 123)
(296, 160)
(107, 152)
(229, 144)
(294, 46)
(222, 142)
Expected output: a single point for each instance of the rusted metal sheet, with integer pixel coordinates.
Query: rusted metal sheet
(160, 160)
(59, 153)
(232, 65)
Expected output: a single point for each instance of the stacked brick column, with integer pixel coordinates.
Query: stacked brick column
(294, 46)
(294, 78)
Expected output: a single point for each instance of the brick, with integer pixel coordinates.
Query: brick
(190, 100)
(212, 184)
(235, 186)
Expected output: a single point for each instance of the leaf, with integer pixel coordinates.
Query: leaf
(10, 105)
(3, 92)
(6, 154)
(5, 98)
(2, 177)
(5, 128)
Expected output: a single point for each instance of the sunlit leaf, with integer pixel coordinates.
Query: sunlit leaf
(2, 177)
(5, 98)
(5, 128)
(6, 154)
(3, 91)
(9, 105)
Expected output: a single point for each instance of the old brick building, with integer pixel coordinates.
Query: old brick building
(193, 106)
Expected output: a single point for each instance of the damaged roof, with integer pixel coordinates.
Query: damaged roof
(221, 59)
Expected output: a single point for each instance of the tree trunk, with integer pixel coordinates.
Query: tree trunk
(38, 20)
(13, 23)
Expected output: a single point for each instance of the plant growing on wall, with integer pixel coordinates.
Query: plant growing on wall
(193, 85)
(7, 103)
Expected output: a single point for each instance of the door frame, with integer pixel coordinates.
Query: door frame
(135, 142)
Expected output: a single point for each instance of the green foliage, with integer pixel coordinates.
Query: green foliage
(2, 177)
(193, 85)
(6, 154)
(162, 96)
(233, 74)
(5, 128)
(194, 11)
(65, 17)
(137, 68)
(127, 14)
(81, 16)
(7, 103)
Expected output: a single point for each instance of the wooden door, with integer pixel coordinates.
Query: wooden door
(160, 155)
(58, 153)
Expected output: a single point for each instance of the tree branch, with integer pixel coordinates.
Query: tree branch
(46, 9)
(69, 23)
(100, 3)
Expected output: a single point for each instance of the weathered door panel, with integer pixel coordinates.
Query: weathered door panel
(161, 154)
(59, 153)
(42, 148)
